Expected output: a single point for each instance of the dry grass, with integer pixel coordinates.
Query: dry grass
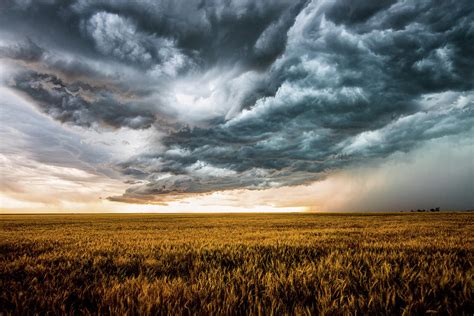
(237, 264)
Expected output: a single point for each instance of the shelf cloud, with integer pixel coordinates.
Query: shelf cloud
(243, 95)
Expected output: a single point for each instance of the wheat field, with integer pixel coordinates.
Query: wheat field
(237, 264)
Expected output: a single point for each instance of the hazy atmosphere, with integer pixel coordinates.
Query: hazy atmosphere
(183, 106)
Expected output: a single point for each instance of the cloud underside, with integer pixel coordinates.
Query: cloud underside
(246, 94)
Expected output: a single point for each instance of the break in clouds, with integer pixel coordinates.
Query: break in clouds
(243, 94)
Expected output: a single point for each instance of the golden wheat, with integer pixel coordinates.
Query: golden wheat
(237, 264)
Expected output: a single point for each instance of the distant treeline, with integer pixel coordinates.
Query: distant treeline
(430, 210)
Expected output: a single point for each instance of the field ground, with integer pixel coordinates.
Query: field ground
(238, 264)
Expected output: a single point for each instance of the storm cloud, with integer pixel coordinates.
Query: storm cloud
(246, 94)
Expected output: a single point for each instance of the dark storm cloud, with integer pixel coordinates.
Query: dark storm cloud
(145, 32)
(67, 103)
(26, 51)
(215, 30)
(318, 85)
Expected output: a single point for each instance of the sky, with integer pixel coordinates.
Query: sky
(236, 105)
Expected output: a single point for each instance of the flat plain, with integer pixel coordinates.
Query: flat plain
(323, 264)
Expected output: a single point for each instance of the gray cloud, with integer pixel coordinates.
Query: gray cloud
(80, 105)
(33, 137)
(118, 37)
(249, 94)
(26, 51)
